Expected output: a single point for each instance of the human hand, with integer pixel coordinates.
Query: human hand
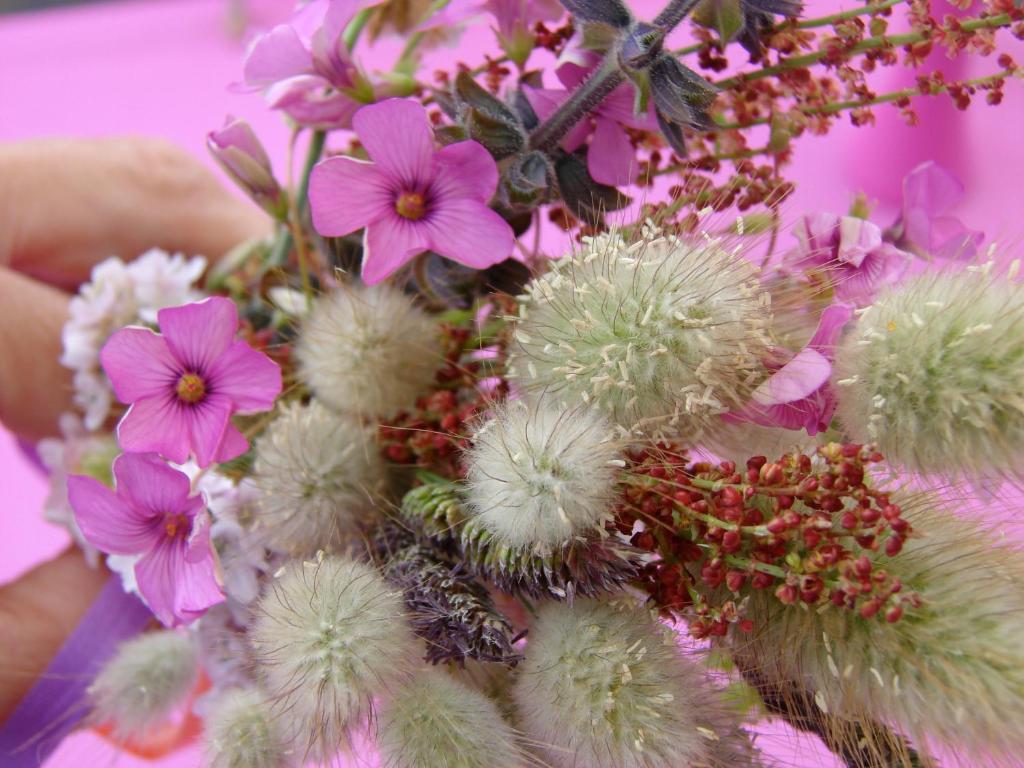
(64, 206)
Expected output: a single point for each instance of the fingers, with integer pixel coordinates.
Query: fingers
(38, 612)
(64, 205)
(34, 387)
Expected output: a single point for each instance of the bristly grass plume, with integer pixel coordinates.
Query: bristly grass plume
(367, 351)
(243, 732)
(436, 721)
(539, 476)
(934, 373)
(328, 637)
(951, 670)
(317, 474)
(143, 683)
(661, 334)
(605, 686)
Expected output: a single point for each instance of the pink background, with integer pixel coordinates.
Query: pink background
(160, 68)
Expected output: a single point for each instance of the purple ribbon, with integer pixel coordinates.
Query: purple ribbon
(57, 702)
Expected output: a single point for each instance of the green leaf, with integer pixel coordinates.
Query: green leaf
(723, 16)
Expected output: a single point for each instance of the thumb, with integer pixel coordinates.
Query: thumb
(37, 614)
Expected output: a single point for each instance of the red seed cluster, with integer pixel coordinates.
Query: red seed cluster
(808, 77)
(436, 432)
(809, 530)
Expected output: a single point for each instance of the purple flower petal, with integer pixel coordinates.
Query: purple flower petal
(611, 158)
(250, 379)
(330, 55)
(929, 192)
(275, 56)
(545, 102)
(155, 425)
(931, 189)
(310, 101)
(952, 240)
(797, 379)
(816, 234)
(207, 422)
(470, 233)
(830, 327)
(398, 138)
(178, 586)
(619, 106)
(233, 445)
(465, 170)
(389, 243)
(139, 364)
(857, 238)
(346, 195)
(107, 521)
(885, 264)
(200, 332)
(147, 483)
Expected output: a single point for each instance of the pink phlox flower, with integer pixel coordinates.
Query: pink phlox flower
(410, 198)
(184, 385)
(515, 16)
(925, 226)
(849, 253)
(512, 17)
(797, 394)
(611, 157)
(304, 67)
(151, 513)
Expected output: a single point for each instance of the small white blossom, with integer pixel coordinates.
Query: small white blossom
(77, 452)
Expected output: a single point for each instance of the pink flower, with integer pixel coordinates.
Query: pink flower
(929, 192)
(611, 158)
(411, 198)
(305, 68)
(184, 386)
(151, 514)
(850, 252)
(514, 17)
(797, 395)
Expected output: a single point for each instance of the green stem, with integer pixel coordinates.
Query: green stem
(416, 38)
(283, 244)
(867, 44)
(356, 26)
(867, 10)
(885, 98)
(820, 21)
(584, 100)
(316, 148)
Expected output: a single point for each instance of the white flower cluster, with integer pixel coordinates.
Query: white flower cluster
(120, 294)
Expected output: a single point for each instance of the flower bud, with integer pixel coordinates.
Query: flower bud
(237, 150)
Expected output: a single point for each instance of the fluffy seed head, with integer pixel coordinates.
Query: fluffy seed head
(367, 351)
(934, 373)
(242, 732)
(317, 474)
(328, 636)
(951, 670)
(146, 679)
(540, 475)
(661, 334)
(605, 686)
(436, 721)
